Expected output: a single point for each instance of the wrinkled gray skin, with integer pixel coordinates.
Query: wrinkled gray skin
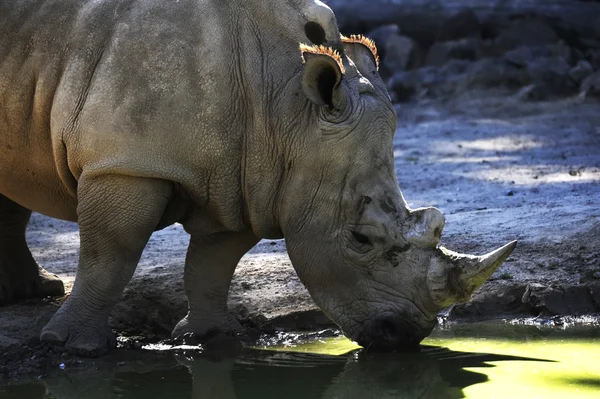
(129, 116)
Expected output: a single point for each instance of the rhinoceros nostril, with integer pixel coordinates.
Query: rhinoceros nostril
(315, 33)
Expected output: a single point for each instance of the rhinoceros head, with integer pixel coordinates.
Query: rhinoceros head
(372, 264)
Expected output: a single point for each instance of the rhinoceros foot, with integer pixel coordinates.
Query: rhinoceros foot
(81, 331)
(221, 323)
(24, 280)
(20, 276)
(47, 284)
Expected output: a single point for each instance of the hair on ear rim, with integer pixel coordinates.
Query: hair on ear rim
(322, 50)
(323, 71)
(365, 41)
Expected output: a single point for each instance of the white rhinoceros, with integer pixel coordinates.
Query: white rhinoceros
(239, 119)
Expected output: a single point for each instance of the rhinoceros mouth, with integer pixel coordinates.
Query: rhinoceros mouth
(391, 331)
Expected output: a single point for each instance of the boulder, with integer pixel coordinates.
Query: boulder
(381, 35)
(464, 49)
(492, 301)
(555, 300)
(423, 20)
(526, 32)
(590, 87)
(403, 86)
(566, 52)
(454, 68)
(429, 81)
(426, 81)
(408, 84)
(553, 74)
(570, 34)
(401, 53)
(548, 72)
(534, 92)
(463, 24)
(397, 52)
(522, 56)
(593, 56)
(495, 72)
(579, 72)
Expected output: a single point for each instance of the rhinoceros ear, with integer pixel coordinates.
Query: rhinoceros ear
(361, 49)
(323, 72)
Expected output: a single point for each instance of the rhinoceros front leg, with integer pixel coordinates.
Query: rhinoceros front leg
(20, 276)
(209, 267)
(116, 215)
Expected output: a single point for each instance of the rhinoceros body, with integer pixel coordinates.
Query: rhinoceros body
(239, 119)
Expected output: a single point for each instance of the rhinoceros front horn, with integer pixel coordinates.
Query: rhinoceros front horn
(454, 277)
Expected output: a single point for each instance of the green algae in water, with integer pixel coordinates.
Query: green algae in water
(488, 360)
(321, 346)
(568, 370)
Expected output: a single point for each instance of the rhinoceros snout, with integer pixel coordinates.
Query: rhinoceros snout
(392, 333)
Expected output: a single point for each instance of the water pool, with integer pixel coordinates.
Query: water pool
(493, 360)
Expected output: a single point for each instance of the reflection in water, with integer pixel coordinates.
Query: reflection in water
(433, 372)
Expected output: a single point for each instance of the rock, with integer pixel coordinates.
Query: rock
(448, 79)
(464, 49)
(397, 52)
(553, 74)
(430, 81)
(404, 85)
(493, 25)
(579, 72)
(590, 87)
(534, 92)
(591, 43)
(453, 68)
(549, 72)
(553, 300)
(495, 72)
(429, 76)
(463, 24)
(570, 34)
(593, 56)
(492, 301)
(563, 50)
(401, 53)
(422, 20)
(381, 35)
(524, 55)
(545, 69)
(526, 32)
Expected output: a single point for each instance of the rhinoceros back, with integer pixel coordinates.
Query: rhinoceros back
(110, 86)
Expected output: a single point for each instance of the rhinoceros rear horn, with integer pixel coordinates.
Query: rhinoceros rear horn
(454, 277)
(323, 72)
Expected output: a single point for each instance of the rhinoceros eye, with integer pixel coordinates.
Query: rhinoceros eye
(362, 243)
(361, 238)
(315, 33)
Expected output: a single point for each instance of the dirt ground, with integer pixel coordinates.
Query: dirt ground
(499, 169)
